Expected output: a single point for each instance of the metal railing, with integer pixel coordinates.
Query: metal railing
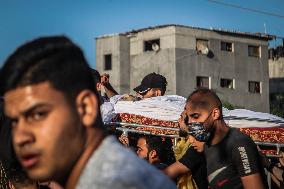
(132, 128)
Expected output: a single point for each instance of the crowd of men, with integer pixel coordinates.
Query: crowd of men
(53, 136)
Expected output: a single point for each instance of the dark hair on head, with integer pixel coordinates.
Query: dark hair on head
(8, 158)
(54, 59)
(96, 76)
(155, 143)
(206, 99)
(7, 154)
(164, 83)
(163, 91)
(162, 147)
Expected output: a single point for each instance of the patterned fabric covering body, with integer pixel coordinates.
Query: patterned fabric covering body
(138, 119)
(271, 135)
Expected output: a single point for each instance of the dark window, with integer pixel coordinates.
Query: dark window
(254, 87)
(201, 45)
(108, 62)
(227, 83)
(202, 82)
(152, 45)
(254, 51)
(226, 46)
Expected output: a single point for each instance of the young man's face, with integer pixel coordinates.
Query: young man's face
(48, 136)
(152, 93)
(142, 150)
(196, 114)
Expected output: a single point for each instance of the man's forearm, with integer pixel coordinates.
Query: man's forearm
(110, 92)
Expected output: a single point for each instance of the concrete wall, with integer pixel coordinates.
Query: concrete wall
(124, 65)
(180, 63)
(235, 65)
(276, 75)
(118, 46)
(276, 68)
(162, 61)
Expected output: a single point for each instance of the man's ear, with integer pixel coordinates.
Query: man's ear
(153, 154)
(88, 107)
(158, 92)
(216, 113)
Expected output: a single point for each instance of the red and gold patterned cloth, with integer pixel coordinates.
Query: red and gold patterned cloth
(131, 118)
(138, 119)
(272, 135)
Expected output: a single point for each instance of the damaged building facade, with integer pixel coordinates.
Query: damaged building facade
(276, 79)
(276, 69)
(234, 64)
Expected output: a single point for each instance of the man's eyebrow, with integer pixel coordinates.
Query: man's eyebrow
(33, 108)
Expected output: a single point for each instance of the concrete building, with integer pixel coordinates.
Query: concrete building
(276, 75)
(234, 64)
(276, 69)
(276, 80)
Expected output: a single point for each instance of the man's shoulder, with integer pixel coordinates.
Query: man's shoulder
(232, 140)
(113, 164)
(236, 136)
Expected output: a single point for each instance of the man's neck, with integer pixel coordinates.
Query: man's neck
(221, 130)
(94, 139)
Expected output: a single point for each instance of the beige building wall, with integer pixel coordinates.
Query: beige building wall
(118, 47)
(276, 75)
(178, 60)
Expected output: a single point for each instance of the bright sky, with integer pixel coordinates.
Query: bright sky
(83, 21)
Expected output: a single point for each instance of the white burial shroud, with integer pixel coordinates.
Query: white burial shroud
(169, 108)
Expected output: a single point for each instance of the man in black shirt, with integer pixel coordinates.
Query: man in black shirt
(232, 157)
(192, 161)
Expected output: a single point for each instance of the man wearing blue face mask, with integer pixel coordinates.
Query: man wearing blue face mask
(232, 157)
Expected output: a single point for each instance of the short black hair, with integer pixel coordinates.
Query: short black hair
(7, 154)
(8, 159)
(54, 59)
(163, 148)
(155, 143)
(206, 99)
(96, 76)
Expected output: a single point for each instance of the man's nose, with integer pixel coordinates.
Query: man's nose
(22, 134)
